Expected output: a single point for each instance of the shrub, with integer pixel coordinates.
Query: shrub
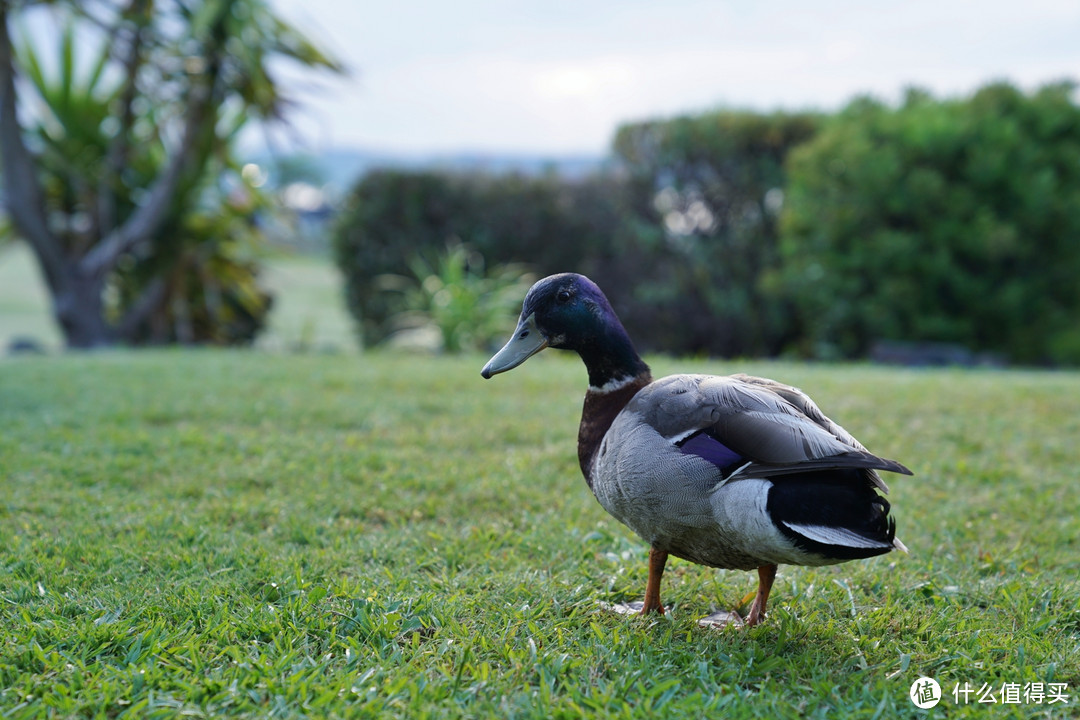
(394, 220)
(684, 228)
(468, 308)
(712, 185)
(946, 221)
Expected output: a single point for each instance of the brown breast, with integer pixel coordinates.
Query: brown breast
(598, 413)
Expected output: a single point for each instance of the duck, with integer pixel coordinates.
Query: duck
(733, 472)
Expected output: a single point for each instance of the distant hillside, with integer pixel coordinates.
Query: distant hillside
(340, 168)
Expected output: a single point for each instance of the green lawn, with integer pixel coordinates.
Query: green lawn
(265, 535)
(24, 301)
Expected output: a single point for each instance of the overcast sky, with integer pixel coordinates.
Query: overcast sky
(558, 76)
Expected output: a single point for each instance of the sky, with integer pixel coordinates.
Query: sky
(558, 77)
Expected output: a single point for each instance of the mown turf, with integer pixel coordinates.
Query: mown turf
(245, 534)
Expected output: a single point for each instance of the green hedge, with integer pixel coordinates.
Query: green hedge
(945, 221)
(698, 287)
(716, 191)
(550, 225)
(743, 234)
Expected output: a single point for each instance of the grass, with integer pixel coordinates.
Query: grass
(24, 300)
(309, 305)
(245, 534)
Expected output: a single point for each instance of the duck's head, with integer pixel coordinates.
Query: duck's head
(568, 311)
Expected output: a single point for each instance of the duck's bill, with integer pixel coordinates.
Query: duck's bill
(523, 344)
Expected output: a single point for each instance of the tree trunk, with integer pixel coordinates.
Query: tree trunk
(79, 309)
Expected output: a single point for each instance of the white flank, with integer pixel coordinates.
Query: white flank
(836, 536)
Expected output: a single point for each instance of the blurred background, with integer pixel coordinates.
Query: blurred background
(837, 181)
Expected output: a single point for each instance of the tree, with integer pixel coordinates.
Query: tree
(695, 200)
(115, 179)
(941, 221)
(714, 185)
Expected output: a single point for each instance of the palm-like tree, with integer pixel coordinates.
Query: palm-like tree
(123, 179)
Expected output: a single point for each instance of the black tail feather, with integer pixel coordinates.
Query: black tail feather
(841, 499)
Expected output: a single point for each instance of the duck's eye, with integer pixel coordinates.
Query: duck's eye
(563, 296)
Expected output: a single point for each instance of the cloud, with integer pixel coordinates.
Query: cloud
(560, 76)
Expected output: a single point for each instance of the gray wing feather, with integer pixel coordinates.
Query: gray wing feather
(777, 426)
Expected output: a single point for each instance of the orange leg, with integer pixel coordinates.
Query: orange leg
(657, 561)
(766, 575)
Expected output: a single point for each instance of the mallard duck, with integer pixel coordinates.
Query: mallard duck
(735, 472)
